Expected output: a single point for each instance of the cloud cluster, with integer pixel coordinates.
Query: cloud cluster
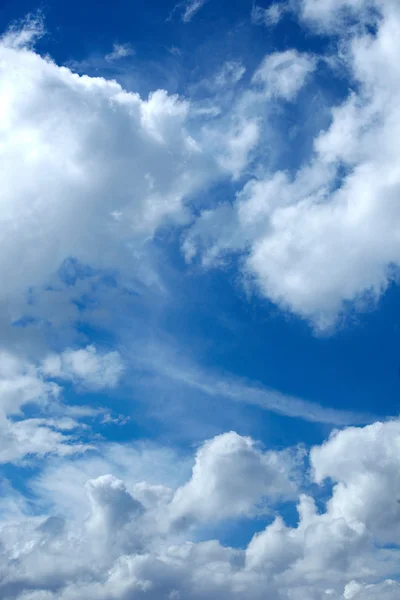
(104, 169)
(328, 234)
(125, 542)
(55, 428)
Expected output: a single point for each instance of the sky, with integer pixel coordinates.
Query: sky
(199, 325)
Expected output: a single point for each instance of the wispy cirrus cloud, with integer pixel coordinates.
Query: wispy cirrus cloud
(173, 366)
(188, 9)
(269, 16)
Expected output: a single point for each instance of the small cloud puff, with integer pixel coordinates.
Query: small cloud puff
(119, 51)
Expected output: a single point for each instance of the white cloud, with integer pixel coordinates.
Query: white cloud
(88, 150)
(119, 51)
(334, 14)
(243, 125)
(117, 543)
(188, 9)
(112, 506)
(57, 430)
(328, 235)
(21, 383)
(104, 169)
(191, 8)
(86, 367)
(237, 144)
(283, 74)
(269, 16)
(363, 464)
(230, 73)
(230, 477)
(25, 34)
(21, 440)
(387, 590)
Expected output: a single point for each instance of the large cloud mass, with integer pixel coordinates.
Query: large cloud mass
(124, 542)
(88, 169)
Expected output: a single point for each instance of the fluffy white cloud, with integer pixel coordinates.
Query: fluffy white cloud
(88, 169)
(21, 383)
(86, 367)
(111, 507)
(339, 14)
(363, 464)
(117, 545)
(329, 234)
(230, 477)
(104, 169)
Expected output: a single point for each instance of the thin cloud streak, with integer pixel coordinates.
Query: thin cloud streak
(189, 9)
(158, 360)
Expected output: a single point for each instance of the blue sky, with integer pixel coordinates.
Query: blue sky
(199, 366)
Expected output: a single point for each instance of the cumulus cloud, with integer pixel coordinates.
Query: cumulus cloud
(362, 463)
(105, 169)
(102, 168)
(119, 545)
(231, 476)
(327, 235)
(112, 507)
(85, 366)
